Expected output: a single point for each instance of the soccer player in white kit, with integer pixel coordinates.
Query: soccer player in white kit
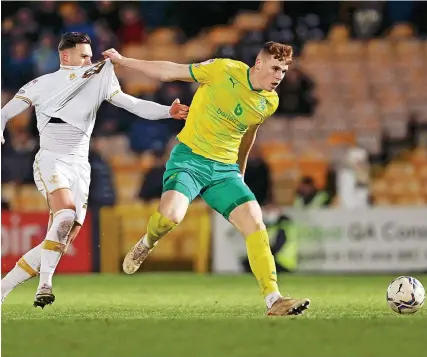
(66, 103)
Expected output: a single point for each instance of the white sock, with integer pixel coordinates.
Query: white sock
(33, 258)
(54, 243)
(15, 277)
(18, 275)
(270, 299)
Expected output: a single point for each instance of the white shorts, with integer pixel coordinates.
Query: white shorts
(55, 171)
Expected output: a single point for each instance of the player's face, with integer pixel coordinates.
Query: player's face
(80, 55)
(271, 72)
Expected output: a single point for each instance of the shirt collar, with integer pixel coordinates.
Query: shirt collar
(70, 67)
(250, 84)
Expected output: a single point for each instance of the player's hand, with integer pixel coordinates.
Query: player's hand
(2, 137)
(178, 111)
(113, 55)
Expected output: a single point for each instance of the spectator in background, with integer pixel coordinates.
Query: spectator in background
(257, 176)
(20, 62)
(45, 55)
(107, 11)
(5, 205)
(296, 94)
(77, 21)
(102, 192)
(368, 20)
(353, 179)
(152, 186)
(17, 158)
(132, 29)
(47, 15)
(25, 25)
(167, 93)
(106, 38)
(155, 134)
(308, 196)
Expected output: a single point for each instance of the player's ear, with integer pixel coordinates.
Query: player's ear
(63, 56)
(258, 64)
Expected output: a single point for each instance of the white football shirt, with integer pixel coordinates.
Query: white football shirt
(74, 95)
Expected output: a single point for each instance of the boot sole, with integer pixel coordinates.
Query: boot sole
(43, 300)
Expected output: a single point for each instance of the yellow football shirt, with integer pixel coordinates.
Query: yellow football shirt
(223, 108)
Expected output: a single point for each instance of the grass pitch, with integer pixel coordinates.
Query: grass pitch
(174, 315)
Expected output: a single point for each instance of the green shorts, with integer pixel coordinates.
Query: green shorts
(220, 185)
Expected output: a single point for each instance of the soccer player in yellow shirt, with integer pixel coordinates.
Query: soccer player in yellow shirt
(210, 159)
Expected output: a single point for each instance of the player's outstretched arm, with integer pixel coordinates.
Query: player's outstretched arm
(246, 146)
(149, 110)
(160, 70)
(13, 108)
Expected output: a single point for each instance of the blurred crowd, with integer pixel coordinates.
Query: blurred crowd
(30, 33)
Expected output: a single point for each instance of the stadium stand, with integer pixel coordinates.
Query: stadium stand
(370, 92)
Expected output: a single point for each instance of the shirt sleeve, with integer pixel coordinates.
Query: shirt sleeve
(29, 93)
(143, 108)
(114, 87)
(13, 108)
(206, 72)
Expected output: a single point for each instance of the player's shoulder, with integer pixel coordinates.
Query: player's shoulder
(37, 82)
(235, 64)
(224, 63)
(270, 95)
(271, 99)
(273, 94)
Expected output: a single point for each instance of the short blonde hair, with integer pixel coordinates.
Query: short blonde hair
(279, 51)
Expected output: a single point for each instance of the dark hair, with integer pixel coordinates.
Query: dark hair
(71, 39)
(278, 51)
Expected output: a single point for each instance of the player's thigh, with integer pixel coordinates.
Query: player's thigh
(227, 195)
(247, 218)
(185, 176)
(80, 190)
(52, 179)
(180, 188)
(173, 205)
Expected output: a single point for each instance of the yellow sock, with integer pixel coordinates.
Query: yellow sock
(158, 226)
(262, 261)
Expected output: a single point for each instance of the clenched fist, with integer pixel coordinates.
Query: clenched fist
(113, 55)
(178, 111)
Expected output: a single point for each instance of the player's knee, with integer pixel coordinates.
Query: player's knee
(173, 215)
(61, 199)
(252, 226)
(173, 206)
(247, 218)
(63, 222)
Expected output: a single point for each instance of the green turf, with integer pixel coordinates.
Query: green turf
(189, 315)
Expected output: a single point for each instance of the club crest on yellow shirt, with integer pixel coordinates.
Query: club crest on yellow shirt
(262, 104)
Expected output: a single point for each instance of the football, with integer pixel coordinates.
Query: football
(405, 295)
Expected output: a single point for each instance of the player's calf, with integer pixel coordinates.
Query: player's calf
(52, 249)
(172, 209)
(158, 226)
(247, 218)
(27, 267)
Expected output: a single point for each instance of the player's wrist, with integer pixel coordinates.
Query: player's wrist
(122, 61)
